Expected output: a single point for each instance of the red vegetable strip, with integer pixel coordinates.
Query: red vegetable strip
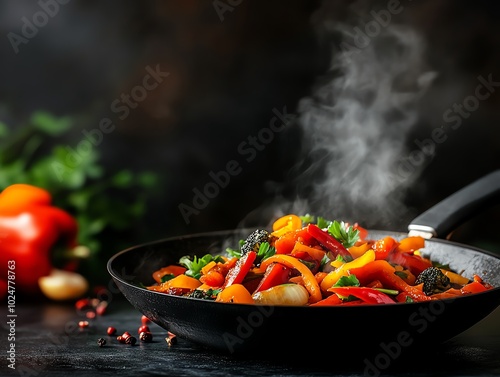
(328, 241)
(241, 268)
(368, 295)
(383, 271)
(329, 301)
(275, 274)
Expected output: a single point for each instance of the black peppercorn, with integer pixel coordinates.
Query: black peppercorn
(101, 342)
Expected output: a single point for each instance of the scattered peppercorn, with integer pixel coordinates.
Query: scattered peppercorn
(146, 336)
(143, 328)
(82, 303)
(90, 314)
(131, 340)
(83, 324)
(171, 339)
(120, 339)
(111, 330)
(101, 307)
(126, 336)
(145, 320)
(101, 342)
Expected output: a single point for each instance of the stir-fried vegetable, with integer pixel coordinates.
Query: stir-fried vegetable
(308, 261)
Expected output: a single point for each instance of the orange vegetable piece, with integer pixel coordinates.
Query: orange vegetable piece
(213, 278)
(286, 224)
(316, 254)
(182, 281)
(310, 282)
(410, 244)
(235, 293)
(168, 270)
(357, 251)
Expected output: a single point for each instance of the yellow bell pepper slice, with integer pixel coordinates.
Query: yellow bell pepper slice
(357, 251)
(455, 278)
(336, 274)
(286, 224)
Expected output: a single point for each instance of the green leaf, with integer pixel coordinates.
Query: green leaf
(123, 179)
(348, 236)
(147, 179)
(307, 218)
(233, 253)
(49, 124)
(194, 266)
(401, 274)
(265, 251)
(4, 130)
(347, 281)
(322, 223)
(167, 277)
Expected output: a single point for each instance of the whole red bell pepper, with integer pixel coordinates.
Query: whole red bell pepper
(30, 227)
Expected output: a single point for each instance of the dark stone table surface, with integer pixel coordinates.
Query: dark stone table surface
(49, 342)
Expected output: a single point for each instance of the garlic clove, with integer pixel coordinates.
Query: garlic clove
(63, 285)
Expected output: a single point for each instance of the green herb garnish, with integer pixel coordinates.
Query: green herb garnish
(347, 236)
(194, 266)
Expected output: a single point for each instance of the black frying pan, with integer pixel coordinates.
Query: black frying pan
(238, 328)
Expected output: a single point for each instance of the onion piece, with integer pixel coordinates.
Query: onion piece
(283, 294)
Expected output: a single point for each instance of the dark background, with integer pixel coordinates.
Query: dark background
(228, 69)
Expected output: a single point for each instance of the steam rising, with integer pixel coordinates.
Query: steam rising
(355, 126)
(354, 164)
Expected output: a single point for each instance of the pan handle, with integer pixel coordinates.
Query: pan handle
(445, 216)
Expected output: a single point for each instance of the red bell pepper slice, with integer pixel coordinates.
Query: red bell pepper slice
(383, 271)
(240, 269)
(328, 241)
(384, 246)
(286, 243)
(414, 263)
(275, 274)
(368, 295)
(329, 301)
(363, 233)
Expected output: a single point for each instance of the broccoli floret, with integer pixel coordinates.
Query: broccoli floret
(254, 240)
(209, 294)
(434, 280)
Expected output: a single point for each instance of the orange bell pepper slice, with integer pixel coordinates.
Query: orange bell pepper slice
(316, 254)
(310, 282)
(168, 270)
(384, 246)
(410, 244)
(235, 293)
(181, 281)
